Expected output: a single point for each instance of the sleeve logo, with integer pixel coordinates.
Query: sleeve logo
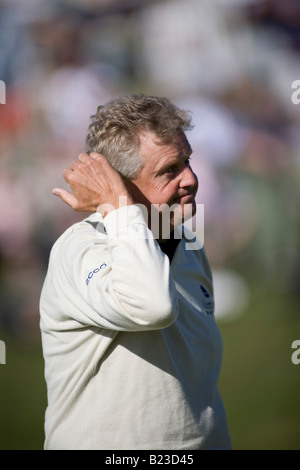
(207, 300)
(95, 271)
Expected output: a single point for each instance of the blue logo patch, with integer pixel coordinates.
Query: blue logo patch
(208, 300)
(95, 271)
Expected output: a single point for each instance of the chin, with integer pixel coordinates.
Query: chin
(183, 213)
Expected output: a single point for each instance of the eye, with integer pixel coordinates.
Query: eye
(171, 170)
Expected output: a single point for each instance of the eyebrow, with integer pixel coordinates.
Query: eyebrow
(175, 162)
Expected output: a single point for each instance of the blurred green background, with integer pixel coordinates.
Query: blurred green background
(232, 63)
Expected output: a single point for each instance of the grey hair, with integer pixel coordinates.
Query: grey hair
(116, 127)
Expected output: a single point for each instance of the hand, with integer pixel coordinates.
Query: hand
(95, 184)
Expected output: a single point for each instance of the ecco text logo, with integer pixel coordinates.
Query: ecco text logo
(95, 271)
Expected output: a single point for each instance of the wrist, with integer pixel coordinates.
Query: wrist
(122, 200)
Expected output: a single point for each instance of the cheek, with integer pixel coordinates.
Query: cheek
(162, 191)
(196, 185)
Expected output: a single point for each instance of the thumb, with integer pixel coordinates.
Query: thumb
(65, 196)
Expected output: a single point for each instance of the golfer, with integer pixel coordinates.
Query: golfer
(131, 346)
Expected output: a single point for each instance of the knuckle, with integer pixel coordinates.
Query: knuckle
(66, 175)
(95, 155)
(89, 162)
(71, 176)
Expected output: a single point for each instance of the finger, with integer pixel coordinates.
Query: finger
(97, 156)
(65, 196)
(74, 164)
(105, 164)
(66, 174)
(83, 157)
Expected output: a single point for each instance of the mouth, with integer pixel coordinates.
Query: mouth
(185, 199)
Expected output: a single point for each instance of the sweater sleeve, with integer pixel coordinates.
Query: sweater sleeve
(120, 280)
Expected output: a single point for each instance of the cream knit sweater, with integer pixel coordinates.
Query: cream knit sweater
(132, 350)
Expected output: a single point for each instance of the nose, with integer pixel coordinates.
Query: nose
(189, 179)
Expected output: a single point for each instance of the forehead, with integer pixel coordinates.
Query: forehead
(156, 152)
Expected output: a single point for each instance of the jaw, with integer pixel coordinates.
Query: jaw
(163, 218)
(183, 213)
(171, 217)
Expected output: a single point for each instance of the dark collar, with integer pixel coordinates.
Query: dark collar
(169, 246)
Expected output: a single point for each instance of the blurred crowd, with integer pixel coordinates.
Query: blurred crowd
(230, 62)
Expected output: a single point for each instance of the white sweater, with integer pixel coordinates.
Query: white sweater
(132, 350)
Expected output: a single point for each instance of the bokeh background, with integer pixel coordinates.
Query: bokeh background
(232, 63)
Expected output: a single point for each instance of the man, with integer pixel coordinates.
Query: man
(132, 350)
